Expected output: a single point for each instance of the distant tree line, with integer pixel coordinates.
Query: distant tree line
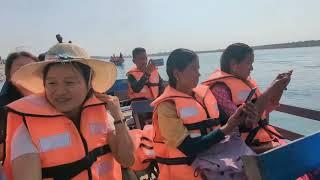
(311, 43)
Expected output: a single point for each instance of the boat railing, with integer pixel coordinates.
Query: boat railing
(291, 161)
(296, 111)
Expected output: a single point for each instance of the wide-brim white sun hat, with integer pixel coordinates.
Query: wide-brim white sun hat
(30, 76)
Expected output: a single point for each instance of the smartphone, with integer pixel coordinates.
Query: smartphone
(157, 62)
(249, 97)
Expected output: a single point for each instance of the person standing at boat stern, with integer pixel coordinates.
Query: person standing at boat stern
(144, 79)
(231, 85)
(187, 121)
(67, 129)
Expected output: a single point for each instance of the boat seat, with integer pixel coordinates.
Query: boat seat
(142, 113)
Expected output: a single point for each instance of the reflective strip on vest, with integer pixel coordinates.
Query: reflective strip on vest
(155, 79)
(144, 89)
(187, 112)
(194, 134)
(215, 106)
(97, 128)
(103, 167)
(243, 94)
(54, 142)
(148, 152)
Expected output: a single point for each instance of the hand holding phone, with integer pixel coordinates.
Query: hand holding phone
(150, 68)
(251, 113)
(250, 95)
(285, 75)
(285, 78)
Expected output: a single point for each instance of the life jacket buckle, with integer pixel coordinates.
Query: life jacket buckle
(90, 158)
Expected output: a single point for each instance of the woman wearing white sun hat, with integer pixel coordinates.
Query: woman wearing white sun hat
(68, 129)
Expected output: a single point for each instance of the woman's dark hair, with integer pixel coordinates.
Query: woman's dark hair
(179, 59)
(12, 57)
(236, 52)
(84, 69)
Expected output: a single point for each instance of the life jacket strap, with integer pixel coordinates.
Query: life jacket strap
(152, 84)
(175, 161)
(70, 170)
(252, 133)
(203, 125)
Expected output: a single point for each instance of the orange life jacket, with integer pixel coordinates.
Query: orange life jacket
(195, 113)
(66, 152)
(144, 153)
(262, 133)
(150, 90)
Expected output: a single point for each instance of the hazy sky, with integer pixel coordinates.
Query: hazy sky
(105, 27)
